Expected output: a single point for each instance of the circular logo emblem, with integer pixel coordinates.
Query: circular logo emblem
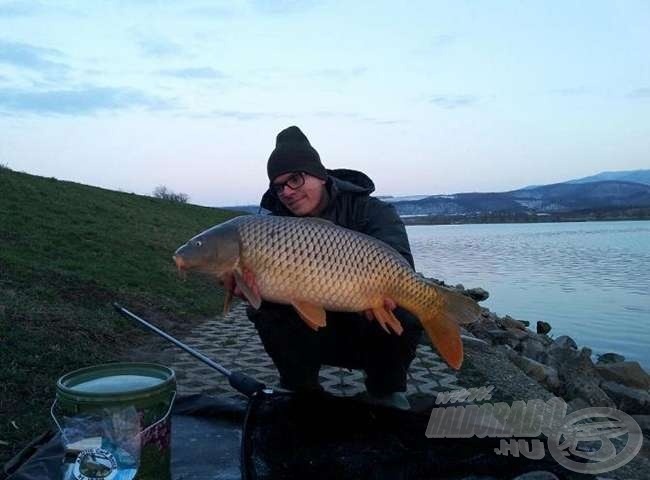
(596, 427)
(95, 464)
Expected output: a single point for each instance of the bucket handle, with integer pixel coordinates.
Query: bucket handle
(169, 411)
(53, 415)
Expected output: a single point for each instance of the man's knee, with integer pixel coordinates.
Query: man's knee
(274, 320)
(290, 344)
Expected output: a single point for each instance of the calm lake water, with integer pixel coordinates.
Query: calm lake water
(590, 280)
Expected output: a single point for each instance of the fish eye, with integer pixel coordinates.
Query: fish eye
(199, 243)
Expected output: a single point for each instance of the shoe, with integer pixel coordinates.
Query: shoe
(396, 400)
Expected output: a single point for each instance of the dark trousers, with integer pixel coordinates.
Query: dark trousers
(349, 340)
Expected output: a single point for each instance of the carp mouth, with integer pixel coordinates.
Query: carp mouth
(181, 266)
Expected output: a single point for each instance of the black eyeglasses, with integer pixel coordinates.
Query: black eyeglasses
(294, 182)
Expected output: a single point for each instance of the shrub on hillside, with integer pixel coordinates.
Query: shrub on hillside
(166, 194)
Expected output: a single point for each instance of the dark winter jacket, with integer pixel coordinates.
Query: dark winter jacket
(351, 206)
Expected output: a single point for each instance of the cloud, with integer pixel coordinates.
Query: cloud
(158, 46)
(247, 116)
(442, 40)
(328, 114)
(211, 11)
(17, 9)
(332, 78)
(338, 74)
(198, 73)
(454, 101)
(435, 44)
(354, 116)
(639, 93)
(28, 9)
(27, 56)
(82, 101)
(282, 6)
(570, 91)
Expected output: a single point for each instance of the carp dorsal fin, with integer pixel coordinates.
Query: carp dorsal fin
(312, 315)
(386, 319)
(246, 283)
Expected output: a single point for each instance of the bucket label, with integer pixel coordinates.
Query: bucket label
(95, 464)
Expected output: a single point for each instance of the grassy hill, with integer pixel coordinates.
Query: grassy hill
(67, 251)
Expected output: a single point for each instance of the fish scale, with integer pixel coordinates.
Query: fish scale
(316, 265)
(344, 269)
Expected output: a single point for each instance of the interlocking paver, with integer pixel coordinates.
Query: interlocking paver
(233, 342)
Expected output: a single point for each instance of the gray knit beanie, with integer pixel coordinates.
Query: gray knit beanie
(294, 153)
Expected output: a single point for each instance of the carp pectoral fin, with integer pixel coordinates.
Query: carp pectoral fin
(226, 302)
(386, 319)
(248, 288)
(312, 315)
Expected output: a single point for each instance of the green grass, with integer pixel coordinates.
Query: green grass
(67, 251)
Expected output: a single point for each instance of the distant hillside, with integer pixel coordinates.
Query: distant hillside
(606, 190)
(638, 176)
(557, 198)
(404, 198)
(68, 251)
(255, 209)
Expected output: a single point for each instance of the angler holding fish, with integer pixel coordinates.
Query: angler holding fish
(329, 277)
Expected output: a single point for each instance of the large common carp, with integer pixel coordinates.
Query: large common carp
(316, 265)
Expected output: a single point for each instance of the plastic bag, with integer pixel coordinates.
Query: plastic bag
(103, 444)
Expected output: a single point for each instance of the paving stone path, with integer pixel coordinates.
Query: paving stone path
(233, 342)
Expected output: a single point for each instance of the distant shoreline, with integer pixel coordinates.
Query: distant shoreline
(591, 216)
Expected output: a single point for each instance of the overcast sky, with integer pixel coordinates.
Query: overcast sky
(425, 97)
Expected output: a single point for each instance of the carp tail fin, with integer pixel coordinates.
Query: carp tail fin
(444, 333)
(461, 308)
(442, 323)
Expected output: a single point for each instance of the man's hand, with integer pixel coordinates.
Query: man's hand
(389, 304)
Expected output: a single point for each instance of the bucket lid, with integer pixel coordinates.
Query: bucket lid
(116, 382)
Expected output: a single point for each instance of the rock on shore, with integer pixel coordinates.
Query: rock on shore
(522, 364)
(559, 365)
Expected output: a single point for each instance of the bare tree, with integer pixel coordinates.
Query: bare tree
(165, 193)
